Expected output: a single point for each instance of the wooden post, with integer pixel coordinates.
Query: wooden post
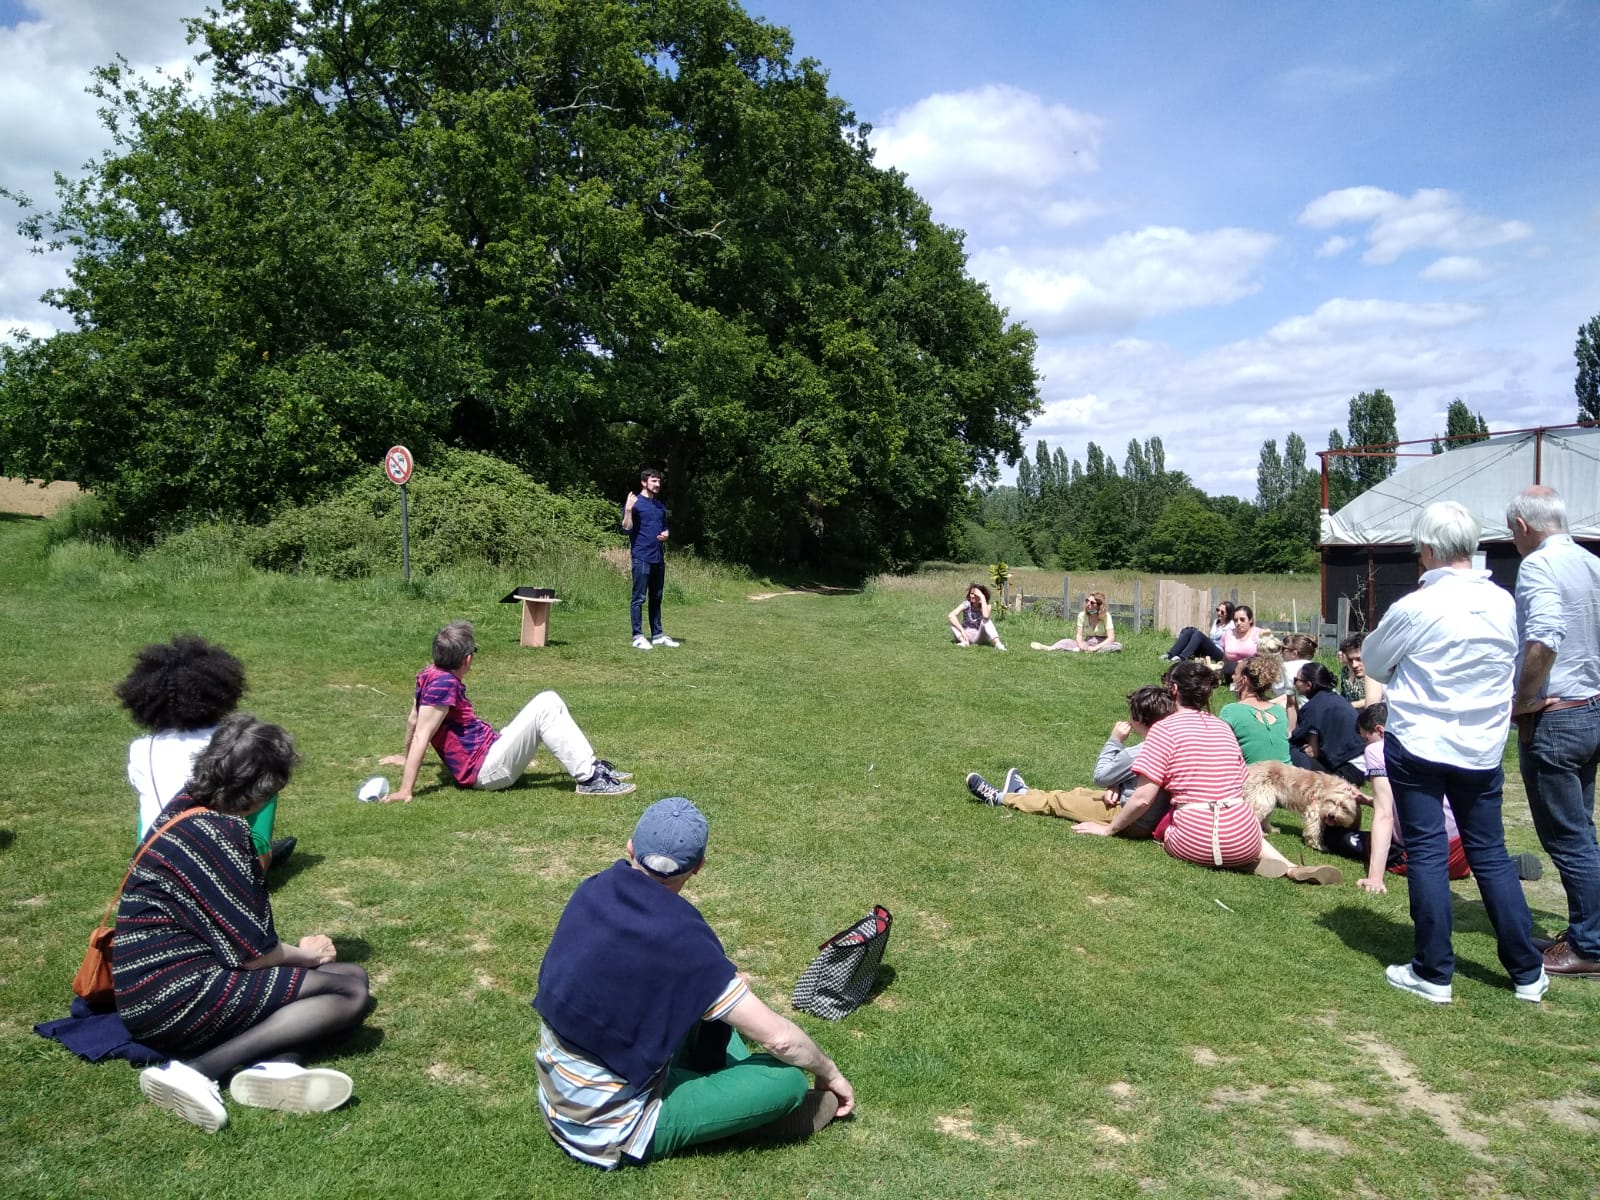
(1294, 613)
(1066, 597)
(1136, 606)
(1344, 619)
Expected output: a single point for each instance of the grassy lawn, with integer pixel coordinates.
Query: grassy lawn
(1066, 1016)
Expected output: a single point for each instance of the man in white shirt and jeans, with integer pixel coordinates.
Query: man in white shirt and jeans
(1557, 712)
(1447, 652)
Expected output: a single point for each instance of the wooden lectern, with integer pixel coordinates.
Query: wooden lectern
(536, 604)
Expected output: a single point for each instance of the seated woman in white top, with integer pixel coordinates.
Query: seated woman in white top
(1095, 634)
(972, 620)
(180, 691)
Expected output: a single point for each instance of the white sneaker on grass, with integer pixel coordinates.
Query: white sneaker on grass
(1534, 992)
(289, 1087)
(662, 639)
(640, 642)
(1401, 975)
(179, 1088)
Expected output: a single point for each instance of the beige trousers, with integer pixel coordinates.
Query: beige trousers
(1074, 804)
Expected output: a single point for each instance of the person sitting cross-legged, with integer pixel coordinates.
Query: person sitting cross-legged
(474, 754)
(643, 1019)
(1114, 780)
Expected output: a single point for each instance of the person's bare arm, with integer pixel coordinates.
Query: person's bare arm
(1381, 838)
(314, 950)
(788, 1043)
(627, 511)
(421, 725)
(1143, 797)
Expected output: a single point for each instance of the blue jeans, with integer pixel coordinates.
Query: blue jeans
(647, 577)
(1420, 788)
(1558, 766)
(1191, 643)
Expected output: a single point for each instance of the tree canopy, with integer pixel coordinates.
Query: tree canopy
(578, 236)
(1587, 383)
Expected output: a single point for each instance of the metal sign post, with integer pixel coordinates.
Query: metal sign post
(397, 465)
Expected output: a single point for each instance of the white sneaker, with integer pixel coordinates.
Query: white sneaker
(1534, 992)
(179, 1088)
(662, 639)
(289, 1087)
(640, 642)
(1401, 975)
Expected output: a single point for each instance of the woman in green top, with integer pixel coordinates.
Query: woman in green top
(1261, 725)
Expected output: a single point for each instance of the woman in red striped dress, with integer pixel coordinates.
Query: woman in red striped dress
(1194, 758)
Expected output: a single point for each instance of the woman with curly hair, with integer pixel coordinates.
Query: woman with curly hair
(1258, 721)
(180, 690)
(198, 967)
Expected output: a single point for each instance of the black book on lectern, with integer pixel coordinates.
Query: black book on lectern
(529, 593)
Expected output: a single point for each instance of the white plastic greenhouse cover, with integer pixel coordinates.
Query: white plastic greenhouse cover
(1483, 476)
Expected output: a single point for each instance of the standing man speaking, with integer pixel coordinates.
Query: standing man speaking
(644, 520)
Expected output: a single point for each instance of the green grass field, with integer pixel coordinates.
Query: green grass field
(1063, 1016)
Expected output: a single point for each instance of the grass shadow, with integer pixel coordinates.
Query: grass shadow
(6, 838)
(297, 862)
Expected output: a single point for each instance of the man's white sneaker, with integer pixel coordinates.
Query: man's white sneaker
(1534, 992)
(1401, 975)
(181, 1089)
(640, 642)
(662, 639)
(289, 1087)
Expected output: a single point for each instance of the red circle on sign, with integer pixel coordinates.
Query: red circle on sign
(397, 464)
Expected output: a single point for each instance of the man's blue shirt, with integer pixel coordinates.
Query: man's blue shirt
(649, 520)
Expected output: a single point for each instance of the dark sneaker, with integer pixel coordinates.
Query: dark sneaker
(1014, 783)
(984, 790)
(603, 783)
(605, 764)
(1528, 866)
(278, 852)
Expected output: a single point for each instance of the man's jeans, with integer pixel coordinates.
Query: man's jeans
(1419, 789)
(543, 719)
(1558, 767)
(647, 577)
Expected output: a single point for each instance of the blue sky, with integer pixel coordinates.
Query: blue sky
(1222, 219)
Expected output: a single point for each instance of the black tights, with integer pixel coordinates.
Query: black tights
(332, 999)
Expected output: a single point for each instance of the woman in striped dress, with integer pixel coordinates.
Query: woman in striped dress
(199, 970)
(1194, 758)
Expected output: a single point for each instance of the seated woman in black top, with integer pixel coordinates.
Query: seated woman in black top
(1325, 737)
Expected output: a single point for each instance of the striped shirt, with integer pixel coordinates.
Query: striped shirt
(592, 1113)
(1194, 756)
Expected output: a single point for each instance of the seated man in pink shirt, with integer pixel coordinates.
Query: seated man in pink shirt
(474, 754)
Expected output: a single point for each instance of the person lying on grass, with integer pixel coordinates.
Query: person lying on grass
(1114, 780)
(180, 690)
(199, 970)
(474, 754)
(1192, 760)
(643, 1018)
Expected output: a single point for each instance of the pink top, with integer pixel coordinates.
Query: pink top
(1237, 649)
(463, 740)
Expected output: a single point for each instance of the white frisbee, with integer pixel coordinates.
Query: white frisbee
(375, 788)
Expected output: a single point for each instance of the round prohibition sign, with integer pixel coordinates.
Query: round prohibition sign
(397, 465)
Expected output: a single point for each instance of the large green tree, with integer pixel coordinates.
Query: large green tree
(1587, 383)
(1461, 427)
(579, 236)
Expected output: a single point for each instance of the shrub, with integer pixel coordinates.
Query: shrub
(465, 509)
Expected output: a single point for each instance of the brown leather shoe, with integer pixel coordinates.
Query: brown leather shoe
(1562, 959)
(1544, 943)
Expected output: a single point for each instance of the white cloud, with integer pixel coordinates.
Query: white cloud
(1454, 267)
(1126, 278)
(45, 64)
(1321, 81)
(1339, 316)
(1428, 219)
(1334, 246)
(994, 155)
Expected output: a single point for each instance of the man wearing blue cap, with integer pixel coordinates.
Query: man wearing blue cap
(640, 1052)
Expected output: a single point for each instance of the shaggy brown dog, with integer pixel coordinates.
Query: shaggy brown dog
(1318, 797)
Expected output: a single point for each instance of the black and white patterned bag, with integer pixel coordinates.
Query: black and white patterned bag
(841, 977)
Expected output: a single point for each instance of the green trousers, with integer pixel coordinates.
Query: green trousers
(748, 1091)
